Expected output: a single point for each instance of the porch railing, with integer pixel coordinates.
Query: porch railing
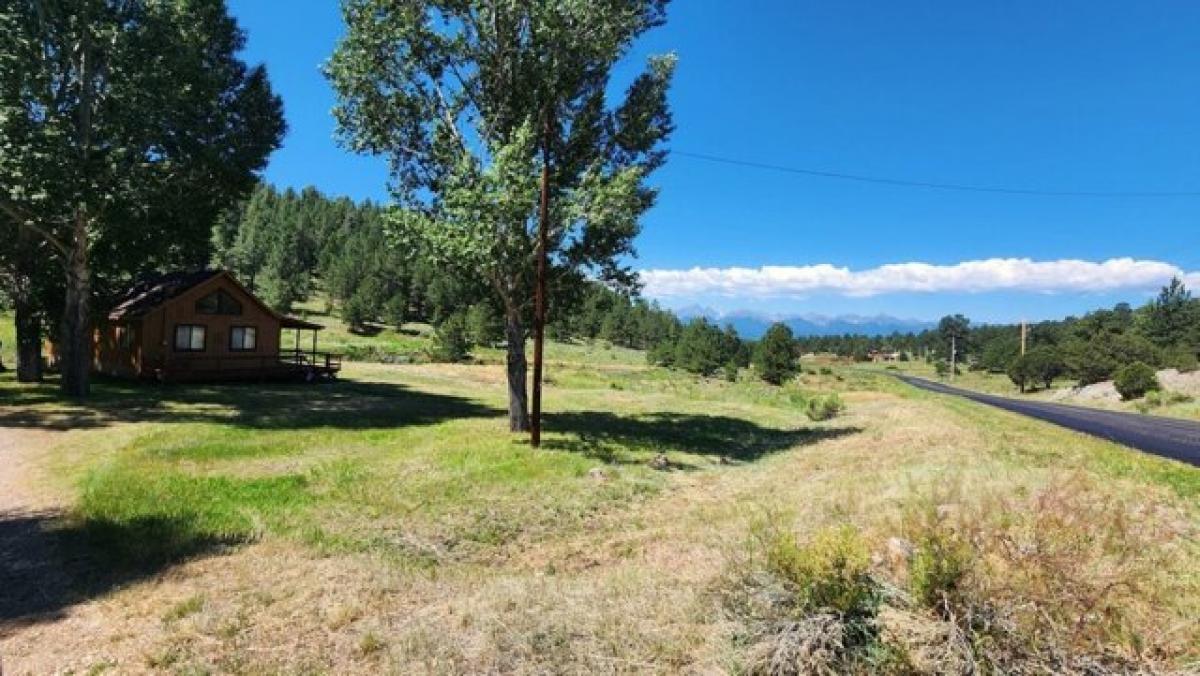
(287, 360)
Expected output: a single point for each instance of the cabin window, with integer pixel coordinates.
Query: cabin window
(243, 339)
(189, 338)
(218, 302)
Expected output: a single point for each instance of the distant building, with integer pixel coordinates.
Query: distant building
(884, 355)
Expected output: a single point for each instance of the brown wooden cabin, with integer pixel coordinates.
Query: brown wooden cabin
(205, 326)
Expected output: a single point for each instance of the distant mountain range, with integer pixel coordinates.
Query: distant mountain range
(754, 324)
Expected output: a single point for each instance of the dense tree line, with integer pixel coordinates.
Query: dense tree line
(1164, 332)
(287, 246)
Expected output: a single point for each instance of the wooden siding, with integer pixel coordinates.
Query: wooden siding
(153, 352)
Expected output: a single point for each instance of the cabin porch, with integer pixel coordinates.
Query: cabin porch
(301, 361)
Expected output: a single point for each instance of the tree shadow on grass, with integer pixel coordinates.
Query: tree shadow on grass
(266, 406)
(49, 563)
(606, 436)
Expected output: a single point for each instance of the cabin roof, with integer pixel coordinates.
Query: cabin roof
(153, 291)
(287, 322)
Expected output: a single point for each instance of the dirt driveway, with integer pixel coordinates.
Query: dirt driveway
(33, 586)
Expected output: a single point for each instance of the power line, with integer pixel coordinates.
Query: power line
(926, 184)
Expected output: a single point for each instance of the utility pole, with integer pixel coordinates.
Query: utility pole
(539, 292)
(953, 353)
(1024, 333)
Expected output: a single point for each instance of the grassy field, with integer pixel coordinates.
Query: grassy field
(388, 522)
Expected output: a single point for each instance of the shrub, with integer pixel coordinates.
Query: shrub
(1018, 372)
(1064, 578)
(661, 354)
(1157, 398)
(356, 313)
(824, 407)
(1039, 365)
(831, 571)
(731, 372)
(813, 605)
(1049, 581)
(942, 558)
(484, 324)
(1099, 358)
(395, 310)
(451, 341)
(1135, 380)
(1181, 358)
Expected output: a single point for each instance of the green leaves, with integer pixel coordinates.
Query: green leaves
(463, 97)
(140, 114)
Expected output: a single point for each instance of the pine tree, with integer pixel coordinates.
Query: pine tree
(775, 357)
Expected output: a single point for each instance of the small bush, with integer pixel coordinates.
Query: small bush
(942, 368)
(941, 561)
(370, 643)
(1157, 398)
(356, 313)
(831, 571)
(1066, 578)
(824, 407)
(1182, 359)
(812, 604)
(451, 341)
(731, 372)
(485, 326)
(1135, 380)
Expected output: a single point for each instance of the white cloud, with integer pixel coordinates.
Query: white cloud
(993, 274)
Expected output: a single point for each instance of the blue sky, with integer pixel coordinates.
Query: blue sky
(1073, 96)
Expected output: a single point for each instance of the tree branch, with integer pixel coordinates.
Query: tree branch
(25, 220)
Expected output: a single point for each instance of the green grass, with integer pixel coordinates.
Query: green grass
(411, 462)
(1024, 442)
(8, 336)
(412, 342)
(378, 342)
(415, 463)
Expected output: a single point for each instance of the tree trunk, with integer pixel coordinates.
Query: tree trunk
(518, 400)
(29, 338)
(28, 319)
(76, 345)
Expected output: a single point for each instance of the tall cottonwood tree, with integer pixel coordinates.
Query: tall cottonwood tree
(125, 126)
(471, 99)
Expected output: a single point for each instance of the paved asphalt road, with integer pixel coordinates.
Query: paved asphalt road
(1168, 437)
